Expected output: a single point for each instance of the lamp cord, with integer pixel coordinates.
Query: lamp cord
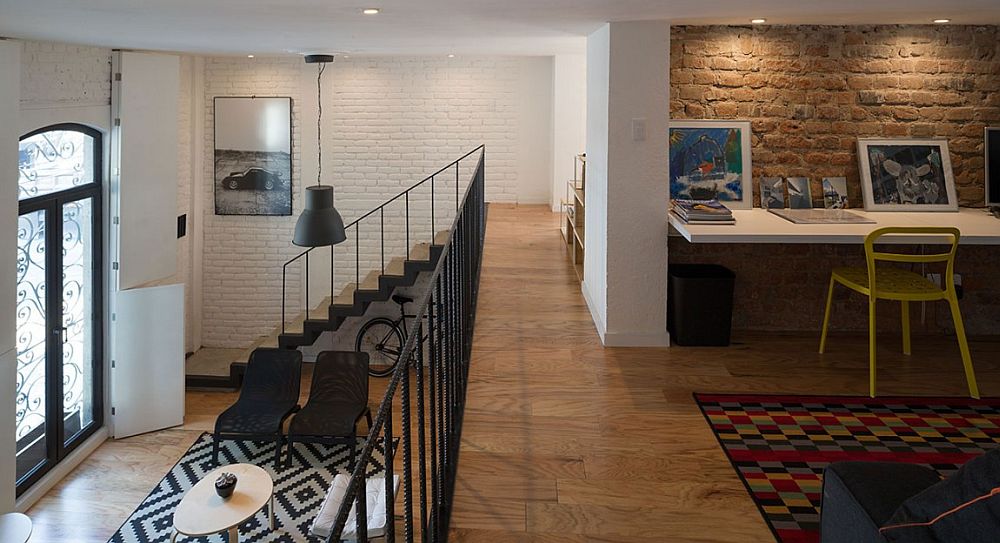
(319, 122)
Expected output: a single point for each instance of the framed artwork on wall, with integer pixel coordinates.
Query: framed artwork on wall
(253, 155)
(906, 175)
(711, 159)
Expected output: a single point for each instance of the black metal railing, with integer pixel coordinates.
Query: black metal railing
(434, 365)
(405, 195)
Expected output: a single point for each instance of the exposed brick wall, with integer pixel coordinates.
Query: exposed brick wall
(810, 92)
(388, 123)
(242, 259)
(61, 75)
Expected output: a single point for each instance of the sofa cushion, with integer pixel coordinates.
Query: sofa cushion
(858, 497)
(963, 508)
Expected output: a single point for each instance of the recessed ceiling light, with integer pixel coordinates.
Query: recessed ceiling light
(450, 55)
(249, 56)
(758, 21)
(371, 11)
(942, 21)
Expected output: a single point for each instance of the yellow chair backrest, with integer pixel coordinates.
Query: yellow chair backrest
(873, 256)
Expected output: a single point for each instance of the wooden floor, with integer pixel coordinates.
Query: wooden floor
(565, 441)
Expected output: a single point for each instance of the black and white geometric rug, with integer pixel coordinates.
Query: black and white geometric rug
(298, 491)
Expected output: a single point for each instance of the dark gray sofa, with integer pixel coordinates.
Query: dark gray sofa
(859, 497)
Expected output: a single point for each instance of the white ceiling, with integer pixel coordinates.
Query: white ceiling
(423, 26)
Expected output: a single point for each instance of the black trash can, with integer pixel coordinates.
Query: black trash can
(700, 304)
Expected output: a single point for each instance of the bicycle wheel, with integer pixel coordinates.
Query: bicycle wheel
(383, 341)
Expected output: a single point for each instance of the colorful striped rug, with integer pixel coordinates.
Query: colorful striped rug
(779, 445)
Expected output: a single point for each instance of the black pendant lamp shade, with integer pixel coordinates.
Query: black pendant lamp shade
(319, 224)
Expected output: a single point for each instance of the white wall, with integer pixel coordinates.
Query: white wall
(630, 220)
(57, 83)
(10, 90)
(534, 134)
(595, 261)
(569, 120)
(387, 123)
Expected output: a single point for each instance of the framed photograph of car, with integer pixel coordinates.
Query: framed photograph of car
(253, 155)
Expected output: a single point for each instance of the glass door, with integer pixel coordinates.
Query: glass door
(58, 336)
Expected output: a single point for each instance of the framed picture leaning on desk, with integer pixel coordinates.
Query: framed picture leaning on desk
(906, 175)
(711, 160)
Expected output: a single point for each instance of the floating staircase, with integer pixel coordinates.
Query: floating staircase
(355, 298)
(353, 301)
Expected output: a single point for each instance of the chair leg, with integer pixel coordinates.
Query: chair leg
(368, 419)
(352, 453)
(826, 317)
(963, 345)
(905, 313)
(277, 453)
(871, 347)
(288, 457)
(215, 449)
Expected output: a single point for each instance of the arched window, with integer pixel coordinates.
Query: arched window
(57, 158)
(58, 339)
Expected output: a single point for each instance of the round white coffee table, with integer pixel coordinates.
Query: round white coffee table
(15, 528)
(203, 512)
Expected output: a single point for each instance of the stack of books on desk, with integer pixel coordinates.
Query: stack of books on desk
(702, 212)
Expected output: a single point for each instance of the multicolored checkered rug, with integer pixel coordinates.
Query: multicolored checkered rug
(779, 445)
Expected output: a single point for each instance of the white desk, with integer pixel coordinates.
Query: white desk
(760, 226)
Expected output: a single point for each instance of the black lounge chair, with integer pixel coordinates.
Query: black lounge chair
(270, 394)
(338, 398)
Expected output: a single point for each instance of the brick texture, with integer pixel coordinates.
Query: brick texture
(810, 92)
(63, 75)
(388, 122)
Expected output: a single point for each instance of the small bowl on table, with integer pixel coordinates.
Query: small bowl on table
(225, 484)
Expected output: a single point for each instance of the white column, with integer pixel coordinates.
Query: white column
(10, 92)
(625, 269)
(569, 119)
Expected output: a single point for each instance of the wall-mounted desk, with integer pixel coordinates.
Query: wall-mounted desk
(760, 226)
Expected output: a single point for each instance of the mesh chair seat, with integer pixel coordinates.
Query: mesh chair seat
(253, 417)
(890, 283)
(338, 398)
(269, 395)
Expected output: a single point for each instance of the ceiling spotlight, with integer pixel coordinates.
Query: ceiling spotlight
(451, 55)
(942, 21)
(758, 21)
(249, 56)
(371, 11)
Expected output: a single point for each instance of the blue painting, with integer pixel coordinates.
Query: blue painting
(710, 162)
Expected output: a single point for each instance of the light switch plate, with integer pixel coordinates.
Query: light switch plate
(638, 129)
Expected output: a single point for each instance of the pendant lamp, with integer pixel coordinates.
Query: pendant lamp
(320, 224)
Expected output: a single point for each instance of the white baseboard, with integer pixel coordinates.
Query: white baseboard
(61, 470)
(612, 339)
(594, 315)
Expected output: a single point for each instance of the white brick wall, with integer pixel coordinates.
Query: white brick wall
(242, 259)
(59, 74)
(388, 122)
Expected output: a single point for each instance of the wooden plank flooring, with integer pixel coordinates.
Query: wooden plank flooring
(564, 441)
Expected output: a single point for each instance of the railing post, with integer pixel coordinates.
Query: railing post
(381, 234)
(407, 222)
(404, 399)
(433, 224)
(357, 258)
(390, 497)
(457, 199)
(432, 378)
(305, 311)
(421, 434)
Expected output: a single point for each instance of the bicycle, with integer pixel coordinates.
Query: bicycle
(383, 339)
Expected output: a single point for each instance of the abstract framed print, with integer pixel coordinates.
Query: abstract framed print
(711, 159)
(906, 175)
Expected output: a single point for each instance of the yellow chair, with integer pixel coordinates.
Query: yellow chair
(896, 284)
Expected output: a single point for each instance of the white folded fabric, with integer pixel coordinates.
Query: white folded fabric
(375, 502)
